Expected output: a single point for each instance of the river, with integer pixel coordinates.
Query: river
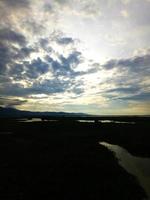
(137, 166)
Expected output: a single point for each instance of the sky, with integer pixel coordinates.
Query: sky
(90, 56)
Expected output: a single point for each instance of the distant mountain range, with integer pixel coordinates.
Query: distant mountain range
(15, 113)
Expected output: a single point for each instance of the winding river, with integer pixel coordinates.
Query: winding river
(137, 166)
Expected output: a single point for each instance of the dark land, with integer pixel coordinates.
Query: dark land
(63, 159)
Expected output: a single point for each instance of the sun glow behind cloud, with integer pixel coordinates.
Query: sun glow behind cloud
(67, 55)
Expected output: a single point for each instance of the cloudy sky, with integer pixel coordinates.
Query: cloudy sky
(90, 56)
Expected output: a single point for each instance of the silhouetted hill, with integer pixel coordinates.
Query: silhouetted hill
(12, 112)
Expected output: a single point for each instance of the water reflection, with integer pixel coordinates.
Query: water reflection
(139, 167)
(82, 121)
(31, 120)
(88, 121)
(35, 120)
(117, 122)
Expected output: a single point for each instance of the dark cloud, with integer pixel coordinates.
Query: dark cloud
(15, 3)
(44, 44)
(132, 93)
(16, 66)
(55, 37)
(46, 87)
(8, 58)
(50, 86)
(78, 90)
(24, 52)
(144, 96)
(135, 64)
(8, 102)
(66, 65)
(57, 86)
(9, 66)
(19, 53)
(6, 34)
(69, 63)
(48, 7)
(61, 1)
(5, 57)
(10, 54)
(73, 58)
(16, 71)
(14, 63)
(4, 79)
(35, 68)
(110, 64)
(126, 90)
(11, 89)
(129, 85)
(65, 40)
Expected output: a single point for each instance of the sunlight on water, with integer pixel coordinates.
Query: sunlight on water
(117, 122)
(139, 167)
(35, 120)
(31, 120)
(88, 121)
